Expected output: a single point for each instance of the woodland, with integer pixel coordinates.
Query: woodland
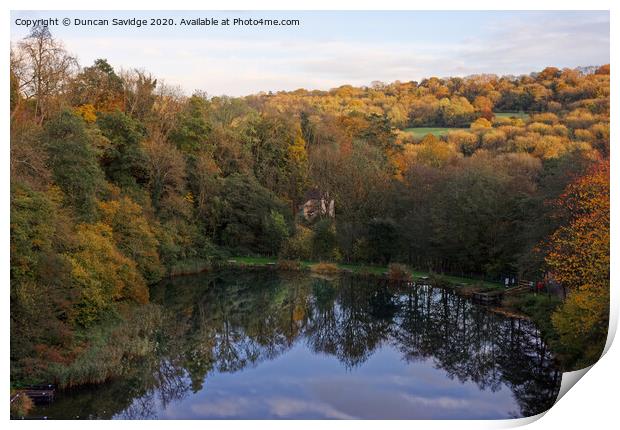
(119, 180)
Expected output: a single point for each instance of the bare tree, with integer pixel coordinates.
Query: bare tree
(43, 69)
(166, 167)
(138, 93)
(169, 102)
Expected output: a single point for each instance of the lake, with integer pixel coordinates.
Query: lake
(268, 345)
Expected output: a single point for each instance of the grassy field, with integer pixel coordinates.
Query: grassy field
(356, 268)
(420, 132)
(521, 115)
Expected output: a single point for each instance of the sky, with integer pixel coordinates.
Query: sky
(330, 48)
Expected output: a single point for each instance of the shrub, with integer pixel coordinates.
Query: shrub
(439, 281)
(398, 272)
(493, 139)
(324, 239)
(21, 405)
(133, 236)
(545, 117)
(540, 128)
(480, 123)
(325, 268)
(289, 265)
(102, 274)
(582, 134)
(464, 141)
(275, 230)
(501, 120)
(298, 246)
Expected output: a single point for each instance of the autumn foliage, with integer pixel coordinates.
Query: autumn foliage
(118, 180)
(579, 259)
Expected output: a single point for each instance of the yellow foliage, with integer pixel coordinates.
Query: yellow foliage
(189, 197)
(87, 112)
(481, 123)
(437, 154)
(133, 235)
(101, 273)
(582, 322)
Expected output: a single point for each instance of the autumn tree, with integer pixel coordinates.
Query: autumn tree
(297, 161)
(73, 161)
(99, 86)
(138, 93)
(42, 68)
(578, 257)
(133, 235)
(165, 172)
(102, 274)
(191, 132)
(123, 160)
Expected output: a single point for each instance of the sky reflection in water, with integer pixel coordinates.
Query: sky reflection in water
(262, 345)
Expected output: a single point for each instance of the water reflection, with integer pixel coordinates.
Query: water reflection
(263, 345)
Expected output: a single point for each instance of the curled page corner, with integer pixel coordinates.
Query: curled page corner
(569, 379)
(520, 422)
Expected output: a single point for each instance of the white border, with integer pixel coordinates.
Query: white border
(592, 404)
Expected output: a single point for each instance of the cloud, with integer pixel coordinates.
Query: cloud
(223, 408)
(287, 407)
(239, 64)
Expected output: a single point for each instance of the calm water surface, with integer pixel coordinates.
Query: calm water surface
(265, 345)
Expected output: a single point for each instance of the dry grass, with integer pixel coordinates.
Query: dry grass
(325, 268)
(289, 265)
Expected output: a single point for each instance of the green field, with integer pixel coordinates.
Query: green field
(521, 115)
(420, 132)
(355, 268)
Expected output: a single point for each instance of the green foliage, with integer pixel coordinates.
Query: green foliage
(276, 231)
(249, 211)
(379, 132)
(299, 245)
(456, 112)
(98, 86)
(274, 144)
(111, 348)
(192, 129)
(383, 240)
(32, 230)
(582, 323)
(73, 162)
(539, 307)
(324, 245)
(40, 291)
(123, 161)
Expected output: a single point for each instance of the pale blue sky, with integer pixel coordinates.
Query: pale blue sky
(332, 48)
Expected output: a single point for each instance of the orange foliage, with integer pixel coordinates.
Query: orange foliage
(579, 251)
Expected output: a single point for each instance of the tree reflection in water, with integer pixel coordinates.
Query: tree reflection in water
(229, 321)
